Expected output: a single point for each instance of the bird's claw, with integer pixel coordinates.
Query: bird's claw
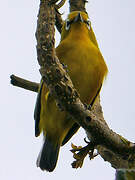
(79, 153)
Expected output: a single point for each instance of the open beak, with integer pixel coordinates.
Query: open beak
(78, 18)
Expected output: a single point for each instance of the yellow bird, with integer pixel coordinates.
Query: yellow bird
(78, 49)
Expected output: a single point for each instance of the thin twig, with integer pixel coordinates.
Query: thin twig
(60, 4)
(58, 21)
(22, 83)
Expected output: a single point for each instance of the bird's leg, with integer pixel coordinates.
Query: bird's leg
(79, 153)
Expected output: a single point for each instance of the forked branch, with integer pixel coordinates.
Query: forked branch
(61, 87)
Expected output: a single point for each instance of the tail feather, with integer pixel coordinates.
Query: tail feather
(48, 156)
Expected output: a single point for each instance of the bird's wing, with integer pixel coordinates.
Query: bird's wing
(70, 133)
(93, 100)
(75, 126)
(37, 110)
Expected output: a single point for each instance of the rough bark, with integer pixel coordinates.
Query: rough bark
(109, 144)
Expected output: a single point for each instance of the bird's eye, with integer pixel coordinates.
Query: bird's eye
(88, 24)
(67, 24)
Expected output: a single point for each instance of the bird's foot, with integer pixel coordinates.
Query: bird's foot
(79, 153)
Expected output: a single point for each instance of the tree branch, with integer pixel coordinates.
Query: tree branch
(60, 86)
(115, 160)
(22, 83)
(62, 89)
(58, 21)
(77, 5)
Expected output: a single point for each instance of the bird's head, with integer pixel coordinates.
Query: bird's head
(77, 22)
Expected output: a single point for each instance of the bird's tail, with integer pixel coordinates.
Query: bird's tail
(48, 155)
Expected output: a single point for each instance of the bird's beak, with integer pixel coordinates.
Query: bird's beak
(78, 18)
